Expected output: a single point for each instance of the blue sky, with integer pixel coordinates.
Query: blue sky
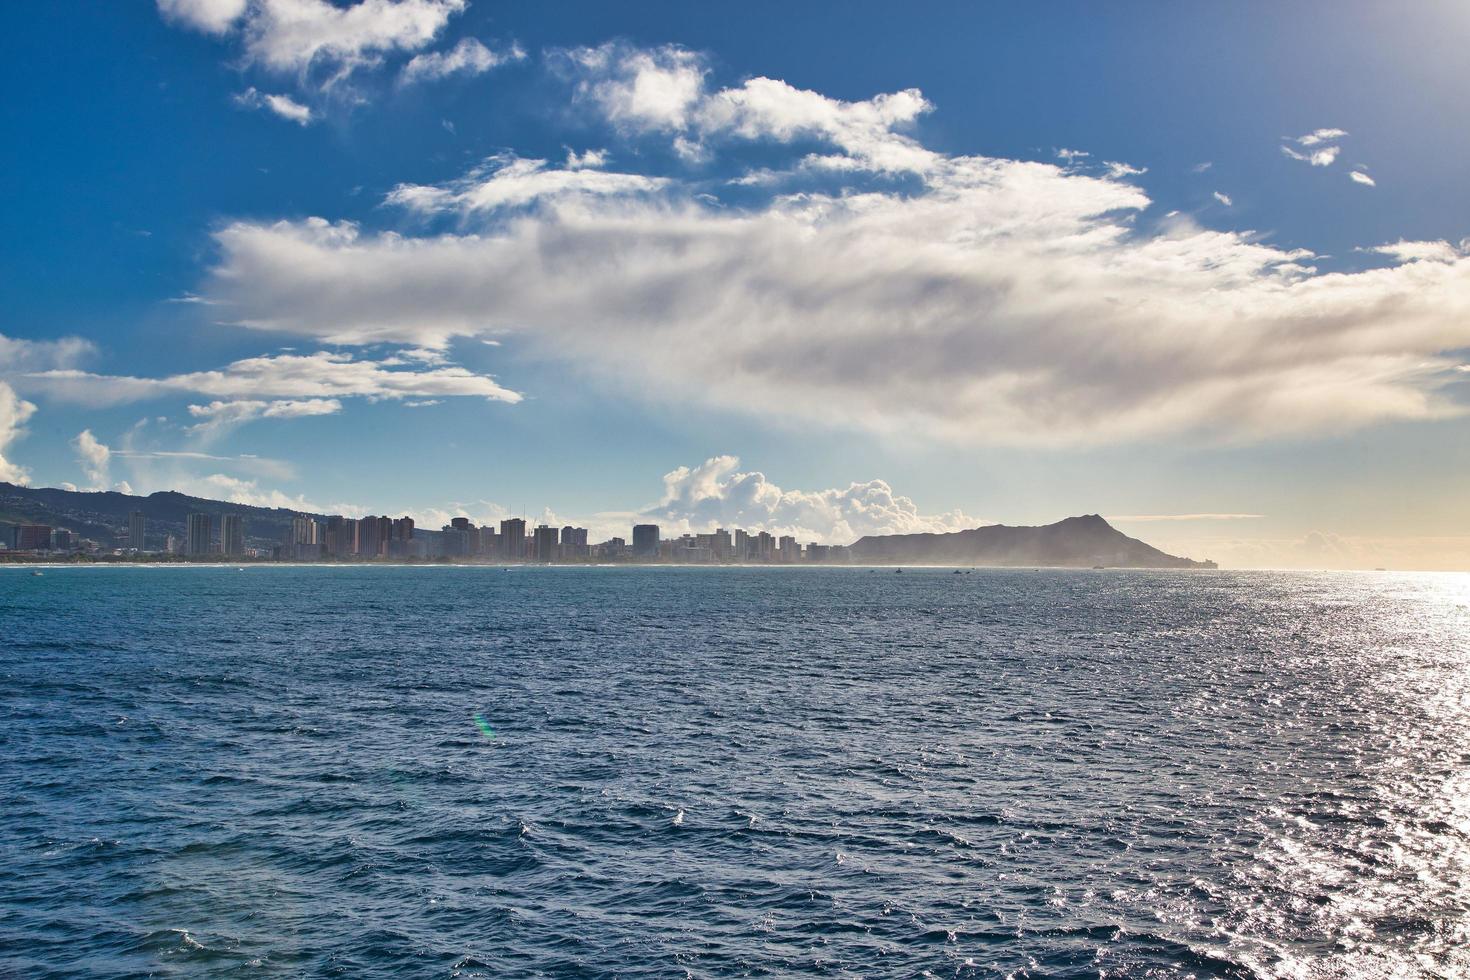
(915, 268)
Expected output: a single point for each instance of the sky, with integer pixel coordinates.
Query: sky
(820, 269)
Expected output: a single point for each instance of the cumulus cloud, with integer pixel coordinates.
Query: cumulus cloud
(320, 41)
(663, 90)
(14, 413)
(468, 57)
(1224, 199)
(94, 457)
(282, 105)
(985, 300)
(505, 181)
(210, 16)
(320, 378)
(1405, 251)
(595, 159)
(1358, 177)
(1317, 136)
(716, 493)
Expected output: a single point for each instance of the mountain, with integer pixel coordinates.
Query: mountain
(1077, 541)
(103, 516)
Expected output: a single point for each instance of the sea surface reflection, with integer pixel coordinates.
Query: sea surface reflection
(733, 772)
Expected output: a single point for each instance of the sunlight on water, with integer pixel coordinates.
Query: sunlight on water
(727, 773)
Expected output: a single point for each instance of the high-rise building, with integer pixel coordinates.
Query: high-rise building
(574, 542)
(61, 539)
(198, 535)
(32, 537)
(645, 540)
(339, 537)
(369, 544)
(137, 530)
(544, 543)
(765, 546)
(304, 530)
(385, 534)
(307, 538)
(513, 538)
(400, 536)
(742, 546)
(232, 534)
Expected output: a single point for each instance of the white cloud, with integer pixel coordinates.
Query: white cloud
(1318, 154)
(95, 458)
(19, 356)
(983, 300)
(1317, 158)
(1357, 176)
(1404, 251)
(210, 16)
(1224, 199)
(1072, 156)
(14, 413)
(663, 90)
(593, 159)
(468, 57)
(1323, 157)
(1200, 168)
(320, 41)
(506, 181)
(1117, 171)
(282, 105)
(717, 493)
(221, 416)
(320, 378)
(641, 90)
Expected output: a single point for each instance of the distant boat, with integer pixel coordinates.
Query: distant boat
(898, 571)
(1097, 568)
(38, 573)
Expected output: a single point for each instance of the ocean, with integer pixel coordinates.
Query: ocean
(732, 772)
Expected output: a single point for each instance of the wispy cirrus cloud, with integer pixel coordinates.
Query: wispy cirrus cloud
(221, 416)
(509, 181)
(278, 385)
(282, 105)
(1318, 147)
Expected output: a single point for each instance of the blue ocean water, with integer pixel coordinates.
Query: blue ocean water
(704, 772)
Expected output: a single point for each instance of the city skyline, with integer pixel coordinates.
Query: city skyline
(678, 268)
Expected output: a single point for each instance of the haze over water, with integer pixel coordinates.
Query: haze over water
(706, 772)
